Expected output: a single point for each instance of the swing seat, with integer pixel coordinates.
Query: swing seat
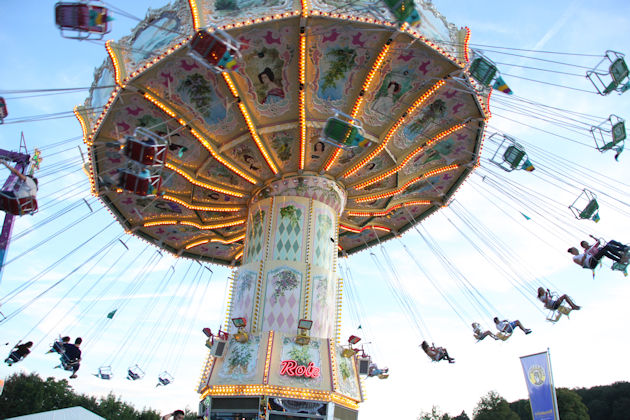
(81, 20)
(483, 70)
(104, 372)
(17, 206)
(618, 71)
(164, 379)
(589, 210)
(343, 134)
(611, 79)
(134, 373)
(555, 314)
(403, 10)
(143, 186)
(67, 363)
(503, 336)
(146, 147)
(383, 376)
(216, 50)
(348, 352)
(619, 132)
(623, 267)
(13, 357)
(3, 110)
(513, 156)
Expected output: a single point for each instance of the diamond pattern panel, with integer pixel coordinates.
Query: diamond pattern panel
(289, 233)
(323, 245)
(282, 297)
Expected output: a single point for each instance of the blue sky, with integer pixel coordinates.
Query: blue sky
(159, 323)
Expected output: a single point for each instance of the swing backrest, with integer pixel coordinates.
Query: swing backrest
(482, 70)
(619, 132)
(589, 210)
(618, 70)
(513, 155)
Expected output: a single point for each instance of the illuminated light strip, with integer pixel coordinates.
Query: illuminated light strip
(202, 184)
(158, 58)
(302, 98)
(197, 225)
(218, 157)
(402, 164)
(395, 127)
(250, 124)
(238, 256)
(197, 243)
(115, 62)
(203, 208)
(434, 46)
(389, 210)
(401, 189)
(333, 364)
(355, 230)
(261, 19)
(195, 14)
(305, 8)
(228, 241)
(466, 44)
(281, 391)
(92, 182)
(339, 248)
(97, 124)
(84, 128)
(352, 18)
(268, 358)
(205, 143)
(257, 139)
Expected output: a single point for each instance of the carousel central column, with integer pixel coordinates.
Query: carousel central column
(289, 260)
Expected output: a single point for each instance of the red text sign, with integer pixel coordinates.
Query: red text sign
(291, 368)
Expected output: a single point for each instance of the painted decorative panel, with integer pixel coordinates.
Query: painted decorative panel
(289, 231)
(347, 375)
(243, 294)
(323, 242)
(240, 363)
(323, 306)
(303, 355)
(282, 299)
(256, 234)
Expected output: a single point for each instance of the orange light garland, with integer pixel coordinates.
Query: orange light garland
(410, 156)
(395, 127)
(193, 224)
(193, 181)
(114, 58)
(376, 213)
(404, 187)
(195, 14)
(357, 230)
(202, 208)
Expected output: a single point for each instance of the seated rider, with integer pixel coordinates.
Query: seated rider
(592, 255)
(508, 327)
(25, 188)
(71, 357)
(480, 335)
(375, 371)
(19, 352)
(545, 297)
(436, 353)
(57, 346)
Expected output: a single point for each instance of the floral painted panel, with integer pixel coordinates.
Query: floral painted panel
(303, 355)
(243, 294)
(323, 306)
(240, 362)
(347, 375)
(256, 235)
(282, 299)
(324, 241)
(289, 231)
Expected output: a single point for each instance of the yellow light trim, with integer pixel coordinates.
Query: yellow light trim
(357, 230)
(257, 140)
(160, 105)
(197, 243)
(332, 159)
(302, 99)
(370, 77)
(280, 391)
(375, 213)
(238, 256)
(202, 208)
(115, 62)
(402, 164)
(202, 184)
(395, 127)
(268, 358)
(195, 14)
(305, 8)
(84, 128)
(228, 241)
(197, 225)
(230, 84)
(401, 189)
(218, 157)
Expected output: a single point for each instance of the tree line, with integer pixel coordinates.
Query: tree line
(28, 394)
(607, 402)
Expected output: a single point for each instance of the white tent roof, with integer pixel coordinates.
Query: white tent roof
(72, 413)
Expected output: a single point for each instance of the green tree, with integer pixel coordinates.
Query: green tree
(435, 414)
(570, 405)
(462, 416)
(492, 406)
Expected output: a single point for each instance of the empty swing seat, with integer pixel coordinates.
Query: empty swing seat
(82, 17)
(213, 50)
(140, 185)
(134, 373)
(343, 134)
(618, 72)
(164, 379)
(17, 206)
(589, 210)
(513, 156)
(483, 70)
(145, 152)
(403, 10)
(104, 372)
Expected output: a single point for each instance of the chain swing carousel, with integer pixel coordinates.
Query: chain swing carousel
(275, 136)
